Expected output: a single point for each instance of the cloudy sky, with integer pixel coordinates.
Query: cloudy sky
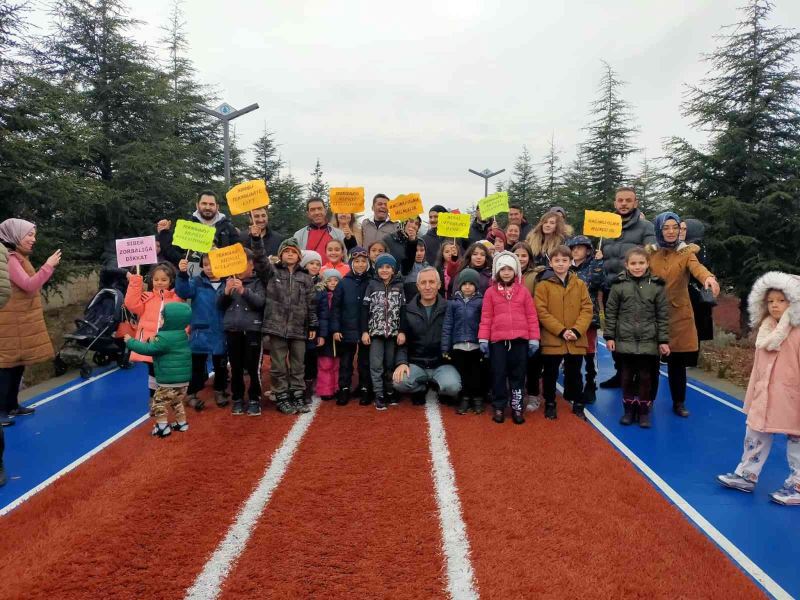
(405, 97)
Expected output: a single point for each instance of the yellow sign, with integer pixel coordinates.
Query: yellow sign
(405, 206)
(230, 260)
(347, 200)
(453, 225)
(247, 196)
(493, 204)
(602, 224)
(193, 236)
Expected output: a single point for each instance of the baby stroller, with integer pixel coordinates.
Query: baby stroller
(104, 322)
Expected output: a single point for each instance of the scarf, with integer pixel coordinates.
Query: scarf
(13, 230)
(771, 333)
(659, 224)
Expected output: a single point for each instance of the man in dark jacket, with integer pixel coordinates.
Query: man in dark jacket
(397, 244)
(419, 361)
(431, 238)
(260, 233)
(636, 231)
(478, 229)
(516, 217)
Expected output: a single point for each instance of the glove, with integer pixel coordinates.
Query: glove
(484, 346)
(533, 346)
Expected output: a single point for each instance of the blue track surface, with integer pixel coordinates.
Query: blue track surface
(686, 453)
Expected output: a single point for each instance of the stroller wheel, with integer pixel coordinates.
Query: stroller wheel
(100, 359)
(59, 366)
(86, 371)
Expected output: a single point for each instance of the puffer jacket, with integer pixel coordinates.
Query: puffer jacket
(324, 313)
(381, 306)
(563, 305)
(461, 320)
(423, 345)
(5, 282)
(637, 314)
(508, 314)
(346, 309)
(245, 311)
(290, 310)
(170, 352)
(207, 334)
(593, 274)
(636, 231)
(147, 306)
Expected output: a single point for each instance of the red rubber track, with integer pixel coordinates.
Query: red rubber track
(553, 511)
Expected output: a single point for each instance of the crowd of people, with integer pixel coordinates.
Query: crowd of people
(492, 318)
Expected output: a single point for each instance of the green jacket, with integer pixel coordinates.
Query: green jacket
(637, 314)
(172, 357)
(5, 282)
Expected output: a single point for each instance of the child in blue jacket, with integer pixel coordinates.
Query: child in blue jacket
(207, 332)
(460, 338)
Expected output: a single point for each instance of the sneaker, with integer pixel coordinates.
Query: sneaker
(184, 426)
(533, 403)
(550, 411)
(161, 430)
(21, 411)
(253, 408)
(342, 397)
(788, 496)
(499, 415)
(196, 403)
(299, 402)
(284, 404)
(379, 403)
(222, 399)
(477, 405)
(736, 482)
(463, 406)
(516, 416)
(238, 407)
(611, 383)
(363, 396)
(393, 399)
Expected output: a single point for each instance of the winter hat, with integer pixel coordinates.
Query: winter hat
(695, 231)
(328, 273)
(659, 225)
(580, 240)
(560, 210)
(506, 259)
(498, 234)
(467, 276)
(358, 251)
(386, 259)
(437, 208)
(290, 243)
(309, 256)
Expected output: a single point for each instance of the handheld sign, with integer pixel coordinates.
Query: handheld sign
(601, 224)
(227, 261)
(136, 251)
(247, 196)
(453, 225)
(193, 236)
(493, 204)
(347, 200)
(405, 206)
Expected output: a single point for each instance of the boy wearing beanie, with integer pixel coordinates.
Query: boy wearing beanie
(380, 327)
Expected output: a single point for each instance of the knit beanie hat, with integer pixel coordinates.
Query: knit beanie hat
(328, 273)
(287, 244)
(309, 256)
(437, 208)
(386, 259)
(467, 276)
(560, 210)
(498, 234)
(506, 259)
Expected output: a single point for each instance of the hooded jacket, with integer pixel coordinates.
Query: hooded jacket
(207, 334)
(461, 321)
(637, 314)
(636, 231)
(381, 307)
(346, 308)
(508, 311)
(245, 311)
(563, 305)
(147, 306)
(170, 352)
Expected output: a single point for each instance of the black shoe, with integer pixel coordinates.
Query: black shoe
(590, 393)
(644, 417)
(627, 418)
(516, 416)
(364, 398)
(299, 402)
(379, 403)
(613, 382)
(478, 405)
(418, 398)
(253, 408)
(238, 407)
(499, 415)
(679, 408)
(2, 475)
(577, 410)
(550, 411)
(284, 404)
(342, 397)
(21, 411)
(463, 406)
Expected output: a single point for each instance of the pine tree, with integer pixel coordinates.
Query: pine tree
(318, 188)
(649, 185)
(552, 178)
(574, 192)
(745, 182)
(500, 185)
(287, 208)
(523, 188)
(267, 163)
(609, 142)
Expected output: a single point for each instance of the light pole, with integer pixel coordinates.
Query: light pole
(486, 174)
(226, 113)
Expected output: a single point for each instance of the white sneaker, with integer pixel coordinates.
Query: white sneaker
(736, 482)
(787, 496)
(534, 402)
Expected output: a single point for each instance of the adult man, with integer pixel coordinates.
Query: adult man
(379, 226)
(478, 229)
(636, 231)
(207, 213)
(316, 235)
(431, 239)
(515, 216)
(419, 361)
(260, 233)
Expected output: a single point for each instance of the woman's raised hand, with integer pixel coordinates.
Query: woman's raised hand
(54, 259)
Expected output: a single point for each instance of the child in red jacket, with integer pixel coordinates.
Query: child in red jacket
(509, 334)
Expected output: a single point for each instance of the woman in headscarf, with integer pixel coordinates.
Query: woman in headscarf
(23, 336)
(675, 262)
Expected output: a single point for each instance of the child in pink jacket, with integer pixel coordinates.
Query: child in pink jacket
(772, 402)
(508, 334)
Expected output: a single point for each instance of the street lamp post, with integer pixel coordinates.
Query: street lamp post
(486, 174)
(226, 113)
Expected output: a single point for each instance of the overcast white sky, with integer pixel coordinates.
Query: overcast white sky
(406, 96)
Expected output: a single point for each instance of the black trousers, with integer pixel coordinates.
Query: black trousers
(347, 354)
(509, 362)
(677, 362)
(244, 352)
(639, 377)
(468, 365)
(573, 379)
(10, 379)
(310, 366)
(534, 373)
(200, 372)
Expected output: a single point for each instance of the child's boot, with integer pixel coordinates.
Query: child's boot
(644, 416)
(299, 401)
(283, 403)
(238, 407)
(222, 399)
(577, 410)
(550, 410)
(463, 405)
(627, 418)
(517, 417)
(478, 405)
(161, 430)
(343, 397)
(679, 408)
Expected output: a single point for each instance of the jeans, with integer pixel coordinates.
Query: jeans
(381, 362)
(445, 376)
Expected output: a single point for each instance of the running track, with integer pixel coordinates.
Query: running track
(354, 496)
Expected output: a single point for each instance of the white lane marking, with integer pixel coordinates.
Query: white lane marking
(71, 389)
(697, 389)
(460, 576)
(715, 534)
(209, 582)
(74, 464)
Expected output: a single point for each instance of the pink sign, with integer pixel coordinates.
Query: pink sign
(136, 251)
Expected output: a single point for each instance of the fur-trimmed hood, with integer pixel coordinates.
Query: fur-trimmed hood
(774, 280)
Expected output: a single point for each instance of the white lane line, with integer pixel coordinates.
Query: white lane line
(460, 576)
(71, 466)
(697, 389)
(715, 534)
(209, 582)
(71, 389)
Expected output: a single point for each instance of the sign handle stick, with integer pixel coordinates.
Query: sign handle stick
(600, 245)
(187, 255)
(334, 348)
(138, 272)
